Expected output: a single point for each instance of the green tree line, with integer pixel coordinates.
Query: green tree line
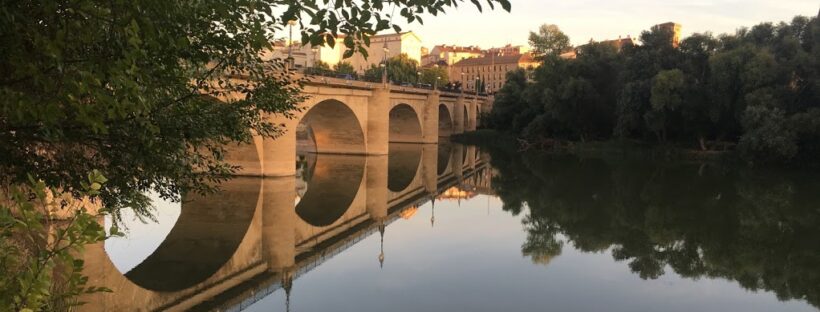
(758, 89)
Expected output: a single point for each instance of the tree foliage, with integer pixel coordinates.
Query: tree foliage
(434, 75)
(39, 267)
(758, 88)
(549, 40)
(344, 68)
(400, 69)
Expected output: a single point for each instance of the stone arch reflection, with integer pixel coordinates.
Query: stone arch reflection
(403, 163)
(331, 185)
(207, 234)
(445, 154)
(405, 124)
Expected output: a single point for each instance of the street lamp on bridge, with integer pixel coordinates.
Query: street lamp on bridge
(289, 63)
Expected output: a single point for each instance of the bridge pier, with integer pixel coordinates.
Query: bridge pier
(278, 223)
(376, 186)
(429, 167)
(378, 121)
(471, 115)
(431, 118)
(458, 161)
(471, 160)
(458, 115)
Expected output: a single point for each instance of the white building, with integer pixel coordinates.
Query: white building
(401, 43)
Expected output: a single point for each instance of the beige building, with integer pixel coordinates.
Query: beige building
(451, 54)
(509, 50)
(303, 56)
(396, 44)
(491, 70)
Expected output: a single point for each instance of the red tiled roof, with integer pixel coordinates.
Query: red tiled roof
(452, 48)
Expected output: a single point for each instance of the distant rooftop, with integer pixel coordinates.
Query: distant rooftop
(496, 59)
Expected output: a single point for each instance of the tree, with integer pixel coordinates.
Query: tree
(668, 88)
(344, 68)
(130, 87)
(434, 75)
(319, 68)
(757, 88)
(549, 40)
(400, 69)
(508, 101)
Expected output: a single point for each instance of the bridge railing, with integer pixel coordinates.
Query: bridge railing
(331, 75)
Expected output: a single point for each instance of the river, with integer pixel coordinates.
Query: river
(455, 228)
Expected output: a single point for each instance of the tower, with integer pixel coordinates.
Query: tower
(675, 29)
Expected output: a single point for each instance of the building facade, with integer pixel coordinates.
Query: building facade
(303, 56)
(389, 45)
(490, 71)
(451, 54)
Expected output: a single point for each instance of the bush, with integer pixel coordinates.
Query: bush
(40, 270)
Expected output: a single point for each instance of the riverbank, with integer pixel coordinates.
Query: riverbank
(602, 149)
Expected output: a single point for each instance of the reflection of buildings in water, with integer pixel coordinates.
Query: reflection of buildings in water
(456, 193)
(408, 213)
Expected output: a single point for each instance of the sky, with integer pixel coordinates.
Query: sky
(583, 20)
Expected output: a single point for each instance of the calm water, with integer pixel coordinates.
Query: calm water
(448, 229)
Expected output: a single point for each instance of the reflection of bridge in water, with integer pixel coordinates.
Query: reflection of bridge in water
(233, 248)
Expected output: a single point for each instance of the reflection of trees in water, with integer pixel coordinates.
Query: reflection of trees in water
(759, 228)
(305, 163)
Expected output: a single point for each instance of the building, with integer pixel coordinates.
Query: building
(451, 54)
(675, 29)
(303, 56)
(619, 44)
(490, 70)
(392, 45)
(509, 50)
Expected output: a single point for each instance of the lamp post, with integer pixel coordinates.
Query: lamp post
(418, 78)
(435, 87)
(289, 64)
(384, 63)
(477, 83)
(463, 83)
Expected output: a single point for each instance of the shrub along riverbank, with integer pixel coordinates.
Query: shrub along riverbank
(756, 91)
(614, 148)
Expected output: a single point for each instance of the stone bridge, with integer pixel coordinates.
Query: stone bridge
(377, 149)
(259, 234)
(359, 118)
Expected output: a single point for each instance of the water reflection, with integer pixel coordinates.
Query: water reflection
(331, 184)
(756, 227)
(403, 164)
(580, 228)
(203, 239)
(254, 229)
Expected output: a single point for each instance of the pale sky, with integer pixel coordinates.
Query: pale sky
(601, 19)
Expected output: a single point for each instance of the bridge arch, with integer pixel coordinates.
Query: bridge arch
(334, 128)
(445, 121)
(405, 124)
